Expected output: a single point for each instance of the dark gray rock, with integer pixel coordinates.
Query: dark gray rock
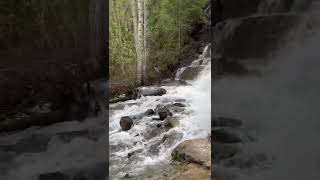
(173, 83)
(154, 149)
(224, 151)
(178, 104)
(154, 130)
(152, 91)
(130, 154)
(226, 122)
(163, 111)
(126, 123)
(225, 135)
(180, 100)
(171, 138)
(30, 144)
(149, 112)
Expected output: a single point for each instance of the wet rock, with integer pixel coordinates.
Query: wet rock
(152, 91)
(176, 109)
(171, 122)
(224, 151)
(225, 135)
(172, 137)
(127, 175)
(117, 147)
(191, 172)
(173, 83)
(54, 176)
(226, 122)
(154, 130)
(163, 111)
(193, 151)
(180, 100)
(179, 104)
(22, 121)
(119, 98)
(31, 144)
(130, 154)
(126, 123)
(191, 72)
(149, 112)
(117, 106)
(154, 149)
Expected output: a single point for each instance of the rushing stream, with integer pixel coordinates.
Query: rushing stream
(151, 154)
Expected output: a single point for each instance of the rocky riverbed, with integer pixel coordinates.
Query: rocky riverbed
(147, 133)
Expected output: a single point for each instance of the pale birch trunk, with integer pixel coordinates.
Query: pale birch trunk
(146, 51)
(140, 41)
(135, 24)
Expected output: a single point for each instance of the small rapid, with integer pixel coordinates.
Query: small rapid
(143, 149)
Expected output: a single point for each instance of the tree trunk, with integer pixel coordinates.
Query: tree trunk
(145, 38)
(140, 41)
(135, 24)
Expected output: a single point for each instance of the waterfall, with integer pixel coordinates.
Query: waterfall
(194, 122)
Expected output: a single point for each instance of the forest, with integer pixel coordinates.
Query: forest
(148, 36)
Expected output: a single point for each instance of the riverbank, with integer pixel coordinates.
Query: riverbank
(200, 37)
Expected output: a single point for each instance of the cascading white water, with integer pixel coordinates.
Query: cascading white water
(194, 122)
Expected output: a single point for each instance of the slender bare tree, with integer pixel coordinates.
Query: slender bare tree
(140, 13)
(146, 27)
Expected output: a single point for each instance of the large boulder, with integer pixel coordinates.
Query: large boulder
(152, 91)
(194, 151)
(191, 172)
(126, 123)
(190, 72)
